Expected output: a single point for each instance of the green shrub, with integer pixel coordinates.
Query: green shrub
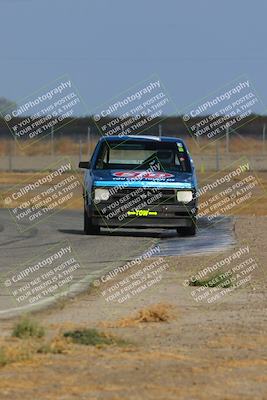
(91, 337)
(27, 328)
(219, 280)
(3, 357)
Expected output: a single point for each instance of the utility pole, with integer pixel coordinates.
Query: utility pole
(197, 137)
(9, 155)
(263, 137)
(89, 140)
(227, 140)
(52, 141)
(160, 130)
(217, 155)
(80, 148)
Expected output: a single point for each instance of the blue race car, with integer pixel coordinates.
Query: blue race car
(140, 182)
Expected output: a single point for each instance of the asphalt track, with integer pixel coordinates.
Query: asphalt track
(101, 253)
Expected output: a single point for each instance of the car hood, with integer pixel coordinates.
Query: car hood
(130, 178)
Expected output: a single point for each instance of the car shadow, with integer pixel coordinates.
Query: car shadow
(128, 233)
(71, 231)
(140, 233)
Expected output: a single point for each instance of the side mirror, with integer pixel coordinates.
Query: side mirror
(84, 164)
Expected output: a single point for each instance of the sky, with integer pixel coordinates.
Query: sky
(106, 46)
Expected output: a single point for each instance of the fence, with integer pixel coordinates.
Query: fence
(207, 156)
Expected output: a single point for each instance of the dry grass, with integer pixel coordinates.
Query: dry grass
(67, 146)
(246, 146)
(14, 178)
(58, 345)
(61, 146)
(12, 351)
(155, 313)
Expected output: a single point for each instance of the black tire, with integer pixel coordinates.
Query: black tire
(187, 230)
(89, 228)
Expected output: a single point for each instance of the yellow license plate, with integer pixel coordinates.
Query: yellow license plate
(141, 213)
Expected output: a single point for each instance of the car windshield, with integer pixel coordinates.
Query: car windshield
(164, 156)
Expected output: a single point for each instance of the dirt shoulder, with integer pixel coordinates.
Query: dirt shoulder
(176, 348)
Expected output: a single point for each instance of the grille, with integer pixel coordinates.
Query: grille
(155, 196)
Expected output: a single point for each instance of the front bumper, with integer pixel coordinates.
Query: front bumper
(164, 216)
(145, 222)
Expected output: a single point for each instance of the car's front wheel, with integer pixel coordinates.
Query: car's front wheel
(89, 228)
(187, 230)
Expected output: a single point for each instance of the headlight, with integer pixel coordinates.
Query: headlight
(101, 195)
(184, 196)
